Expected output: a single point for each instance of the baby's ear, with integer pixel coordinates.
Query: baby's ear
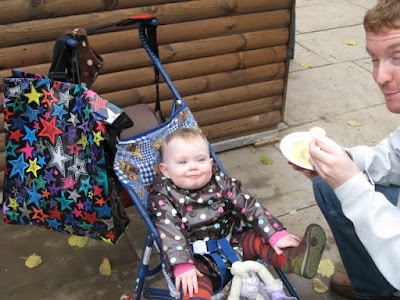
(163, 169)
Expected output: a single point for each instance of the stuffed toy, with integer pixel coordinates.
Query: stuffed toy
(252, 281)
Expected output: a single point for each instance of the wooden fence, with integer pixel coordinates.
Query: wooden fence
(227, 58)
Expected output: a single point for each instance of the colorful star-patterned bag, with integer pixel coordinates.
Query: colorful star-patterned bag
(59, 151)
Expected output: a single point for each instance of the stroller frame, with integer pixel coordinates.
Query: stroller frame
(152, 238)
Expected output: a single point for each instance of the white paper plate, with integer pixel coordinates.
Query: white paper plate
(296, 140)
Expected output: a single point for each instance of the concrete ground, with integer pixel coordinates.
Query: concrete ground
(335, 88)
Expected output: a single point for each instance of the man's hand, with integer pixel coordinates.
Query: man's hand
(287, 241)
(188, 280)
(331, 162)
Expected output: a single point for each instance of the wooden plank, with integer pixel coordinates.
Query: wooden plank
(49, 29)
(198, 85)
(201, 30)
(219, 97)
(236, 127)
(12, 11)
(2, 140)
(238, 110)
(131, 59)
(243, 137)
(116, 81)
(2, 160)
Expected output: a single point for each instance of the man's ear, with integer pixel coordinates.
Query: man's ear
(164, 170)
(211, 161)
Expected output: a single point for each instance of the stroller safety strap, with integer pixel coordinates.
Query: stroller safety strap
(212, 247)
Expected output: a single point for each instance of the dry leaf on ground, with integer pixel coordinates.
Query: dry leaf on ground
(105, 267)
(354, 123)
(33, 261)
(326, 268)
(319, 286)
(350, 42)
(76, 240)
(293, 212)
(265, 160)
(305, 65)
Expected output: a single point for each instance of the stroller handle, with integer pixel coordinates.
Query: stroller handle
(157, 64)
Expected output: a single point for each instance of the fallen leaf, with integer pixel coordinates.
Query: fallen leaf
(33, 261)
(319, 286)
(305, 65)
(326, 268)
(354, 123)
(105, 267)
(76, 240)
(265, 160)
(293, 212)
(350, 42)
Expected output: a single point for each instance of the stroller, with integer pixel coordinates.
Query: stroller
(136, 163)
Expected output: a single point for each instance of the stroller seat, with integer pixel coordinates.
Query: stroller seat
(136, 163)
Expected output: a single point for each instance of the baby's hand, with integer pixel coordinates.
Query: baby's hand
(189, 281)
(287, 241)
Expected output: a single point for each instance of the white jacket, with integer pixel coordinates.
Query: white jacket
(376, 220)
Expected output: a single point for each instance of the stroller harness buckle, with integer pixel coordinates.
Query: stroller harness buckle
(200, 247)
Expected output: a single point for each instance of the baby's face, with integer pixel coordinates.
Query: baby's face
(187, 163)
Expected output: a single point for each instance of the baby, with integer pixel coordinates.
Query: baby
(194, 204)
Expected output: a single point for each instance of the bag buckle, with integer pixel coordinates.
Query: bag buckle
(200, 247)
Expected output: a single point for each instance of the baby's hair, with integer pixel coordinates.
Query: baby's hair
(184, 133)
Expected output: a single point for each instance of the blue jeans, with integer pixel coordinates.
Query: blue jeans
(365, 277)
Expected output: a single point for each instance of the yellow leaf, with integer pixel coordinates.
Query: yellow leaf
(305, 65)
(326, 268)
(293, 212)
(105, 267)
(76, 240)
(33, 261)
(353, 123)
(265, 160)
(319, 286)
(350, 42)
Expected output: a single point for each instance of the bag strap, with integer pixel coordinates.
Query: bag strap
(64, 66)
(150, 24)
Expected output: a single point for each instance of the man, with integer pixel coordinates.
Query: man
(357, 190)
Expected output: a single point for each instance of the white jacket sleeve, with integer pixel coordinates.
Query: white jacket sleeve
(376, 220)
(382, 162)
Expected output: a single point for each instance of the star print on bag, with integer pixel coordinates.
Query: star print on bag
(57, 175)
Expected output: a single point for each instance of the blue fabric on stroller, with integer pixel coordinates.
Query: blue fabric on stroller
(136, 163)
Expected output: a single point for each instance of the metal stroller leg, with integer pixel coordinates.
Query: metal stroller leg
(145, 272)
(286, 282)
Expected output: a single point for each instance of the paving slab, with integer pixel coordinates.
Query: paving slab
(330, 90)
(66, 272)
(333, 44)
(323, 15)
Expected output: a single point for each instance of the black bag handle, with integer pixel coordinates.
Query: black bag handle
(150, 24)
(64, 66)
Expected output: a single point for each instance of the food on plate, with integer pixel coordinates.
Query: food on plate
(300, 153)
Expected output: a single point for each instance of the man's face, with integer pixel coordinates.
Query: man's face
(384, 49)
(187, 163)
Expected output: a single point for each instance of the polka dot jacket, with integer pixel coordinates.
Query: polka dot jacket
(184, 216)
